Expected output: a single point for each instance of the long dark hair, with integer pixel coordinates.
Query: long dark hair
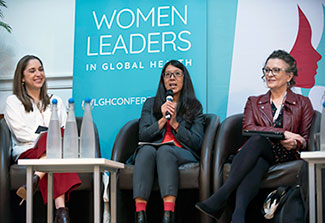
(286, 57)
(19, 88)
(188, 105)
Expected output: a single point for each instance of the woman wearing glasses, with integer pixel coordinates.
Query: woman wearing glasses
(279, 110)
(185, 128)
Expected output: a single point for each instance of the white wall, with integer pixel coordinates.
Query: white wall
(42, 28)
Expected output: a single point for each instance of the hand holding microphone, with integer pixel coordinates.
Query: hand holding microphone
(169, 97)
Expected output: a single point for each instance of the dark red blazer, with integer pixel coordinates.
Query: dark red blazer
(297, 115)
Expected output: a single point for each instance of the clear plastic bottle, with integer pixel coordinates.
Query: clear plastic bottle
(70, 139)
(322, 129)
(87, 133)
(54, 139)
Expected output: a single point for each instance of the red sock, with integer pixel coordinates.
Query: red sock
(140, 206)
(169, 206)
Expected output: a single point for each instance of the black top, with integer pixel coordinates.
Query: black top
(280, 153)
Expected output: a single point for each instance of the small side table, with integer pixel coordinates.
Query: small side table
(316, 160)
(91, 165)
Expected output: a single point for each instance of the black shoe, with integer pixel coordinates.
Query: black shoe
(168, 217)
(215, 214)
(62, 215)
(140, 217)
(21, 192)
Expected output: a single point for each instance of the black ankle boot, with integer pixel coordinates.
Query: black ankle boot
(140, 217)
(62, 215)
(215, 214)
(22, 192)
(168, 217)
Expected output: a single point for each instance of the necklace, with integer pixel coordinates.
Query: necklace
(278, 109)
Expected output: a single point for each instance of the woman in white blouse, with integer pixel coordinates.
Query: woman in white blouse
(27, 110)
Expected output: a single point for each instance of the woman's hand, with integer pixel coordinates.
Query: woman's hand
(291, 139)
(169, 106)
(173, 122)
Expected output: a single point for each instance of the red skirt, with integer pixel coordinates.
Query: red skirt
(63, 183)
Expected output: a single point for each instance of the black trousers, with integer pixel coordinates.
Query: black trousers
(247, 170)
(166, 159)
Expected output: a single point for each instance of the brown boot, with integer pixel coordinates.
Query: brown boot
(62, 215)
(21, 192)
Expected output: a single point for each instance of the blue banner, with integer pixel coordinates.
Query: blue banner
(120, 49)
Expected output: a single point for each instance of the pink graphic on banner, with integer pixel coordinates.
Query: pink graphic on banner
(305, 54)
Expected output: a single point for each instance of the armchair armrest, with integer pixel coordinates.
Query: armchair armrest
(314, 128)
(228, 140)
(126, 141)
(212, 122)
(5, 160)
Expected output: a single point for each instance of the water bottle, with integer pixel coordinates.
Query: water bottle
(322, 129)
(54, 139)
(87, 133)
(70, 139)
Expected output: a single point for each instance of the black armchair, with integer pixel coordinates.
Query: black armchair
(12, 176)
(229, 139)
(192, 175)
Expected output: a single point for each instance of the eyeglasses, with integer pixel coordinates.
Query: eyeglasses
(274, 71)
(170, 74)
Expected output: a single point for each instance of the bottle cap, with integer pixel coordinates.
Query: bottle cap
(54, 101)
(87, 100)
(71, 100)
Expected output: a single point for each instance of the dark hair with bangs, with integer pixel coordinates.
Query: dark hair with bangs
(188, 105)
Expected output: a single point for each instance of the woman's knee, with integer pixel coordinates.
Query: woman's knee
(257, 146)
(146, 153)
(258, 142)
(165, 151)
(166, 157)
(257, 139)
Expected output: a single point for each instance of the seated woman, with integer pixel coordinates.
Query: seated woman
(279, 110)
(26, 110)
(185, 128)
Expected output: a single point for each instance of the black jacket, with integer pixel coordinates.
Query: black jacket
(189, 135)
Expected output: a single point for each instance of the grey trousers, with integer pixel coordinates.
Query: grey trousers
(167, 159)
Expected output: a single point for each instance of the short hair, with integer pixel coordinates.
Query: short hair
(286, 57)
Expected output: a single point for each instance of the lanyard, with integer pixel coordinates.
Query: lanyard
(278, 109)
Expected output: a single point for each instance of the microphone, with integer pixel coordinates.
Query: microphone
(169, 97)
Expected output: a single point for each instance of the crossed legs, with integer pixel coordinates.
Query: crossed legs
(247, 170)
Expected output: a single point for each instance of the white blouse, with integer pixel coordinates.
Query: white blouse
(23, 125)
